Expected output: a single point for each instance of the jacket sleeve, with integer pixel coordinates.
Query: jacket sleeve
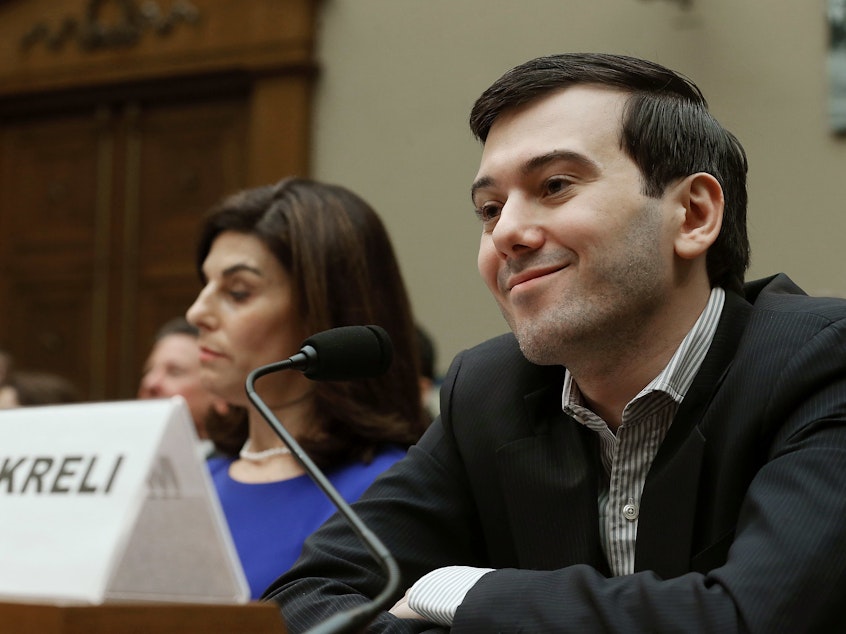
(420, 509)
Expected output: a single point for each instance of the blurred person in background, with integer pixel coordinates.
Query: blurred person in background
(24, 388)
(429, 383)
(173, 368)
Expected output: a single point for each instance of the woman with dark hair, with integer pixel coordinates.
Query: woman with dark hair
(278, 264)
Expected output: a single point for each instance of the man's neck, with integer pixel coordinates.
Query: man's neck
(608, 382)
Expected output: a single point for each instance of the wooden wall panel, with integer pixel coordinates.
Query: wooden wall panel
(113, 145)
(189, 157)
(54, 325)
(50, 184)
(53, 247)
(39, 51)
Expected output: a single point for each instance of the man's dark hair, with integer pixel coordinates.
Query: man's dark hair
(176, 326)
(666, 129)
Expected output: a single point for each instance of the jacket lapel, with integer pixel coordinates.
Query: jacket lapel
(550, 482)
(669, 501)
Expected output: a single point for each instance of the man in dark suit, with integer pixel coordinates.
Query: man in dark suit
(657, 447)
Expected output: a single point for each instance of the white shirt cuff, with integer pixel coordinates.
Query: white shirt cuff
(437, 595)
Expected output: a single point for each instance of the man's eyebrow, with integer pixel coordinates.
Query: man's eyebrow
(538, 162)
(485, 181)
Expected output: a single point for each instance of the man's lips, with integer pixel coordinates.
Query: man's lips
(525, 276)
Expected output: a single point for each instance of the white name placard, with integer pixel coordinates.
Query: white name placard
(109, 502)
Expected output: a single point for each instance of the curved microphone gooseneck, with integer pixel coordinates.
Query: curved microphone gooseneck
(340, 354)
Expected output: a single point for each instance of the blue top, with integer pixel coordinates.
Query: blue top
(270, 521)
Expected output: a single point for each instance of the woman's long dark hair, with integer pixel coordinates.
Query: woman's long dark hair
(345, 273)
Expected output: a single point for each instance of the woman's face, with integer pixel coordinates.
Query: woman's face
(246, 315)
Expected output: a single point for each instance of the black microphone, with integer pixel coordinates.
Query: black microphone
(341, 354)
(349, 352)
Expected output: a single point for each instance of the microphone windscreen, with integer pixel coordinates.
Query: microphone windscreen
(349, 352)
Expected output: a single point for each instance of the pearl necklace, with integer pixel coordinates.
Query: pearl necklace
(258, 456)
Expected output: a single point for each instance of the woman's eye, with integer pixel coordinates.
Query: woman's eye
(239, 296)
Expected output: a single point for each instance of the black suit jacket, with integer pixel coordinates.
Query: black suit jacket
(742, 523)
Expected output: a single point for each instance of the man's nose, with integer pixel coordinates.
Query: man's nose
(150, 386)
(519, 227)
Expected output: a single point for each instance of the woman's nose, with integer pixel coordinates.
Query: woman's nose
(198, 314)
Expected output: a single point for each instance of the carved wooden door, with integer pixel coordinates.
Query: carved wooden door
(99, 211)
(121, 122)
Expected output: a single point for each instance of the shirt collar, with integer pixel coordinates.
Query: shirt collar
(676, 377)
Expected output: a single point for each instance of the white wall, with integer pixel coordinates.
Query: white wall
(399, 77)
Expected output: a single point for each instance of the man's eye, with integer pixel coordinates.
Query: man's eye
(557, 184)
(488, 211)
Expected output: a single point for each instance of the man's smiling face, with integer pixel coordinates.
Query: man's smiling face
(572, 249)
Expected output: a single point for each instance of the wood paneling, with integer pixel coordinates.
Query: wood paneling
(38, 51)
(162, 618)
(109, 156)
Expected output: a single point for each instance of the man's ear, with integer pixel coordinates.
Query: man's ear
(701, 198)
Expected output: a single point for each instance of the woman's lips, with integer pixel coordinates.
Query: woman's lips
(207, 354)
